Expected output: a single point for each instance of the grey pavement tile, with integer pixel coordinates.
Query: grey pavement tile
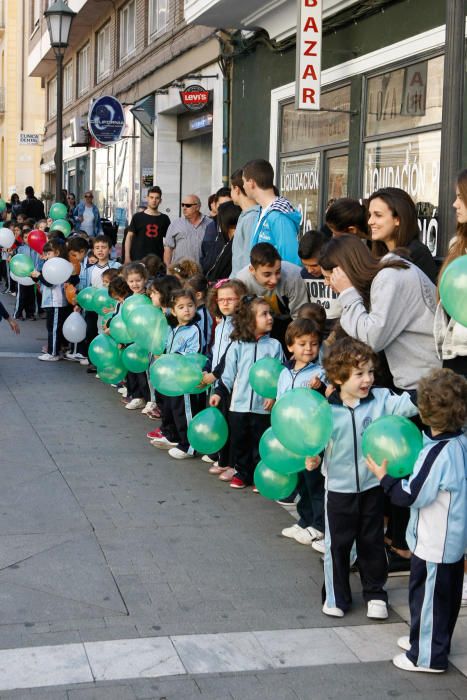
(168, 688)
(221, 653)
(372, 642)
(43, 666)
(113, 692)
(133, 658)
(305, 647)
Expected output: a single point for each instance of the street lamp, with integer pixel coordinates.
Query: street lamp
(59, 18)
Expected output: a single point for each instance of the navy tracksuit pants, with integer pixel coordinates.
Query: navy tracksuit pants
(359, 517)
(435, 594)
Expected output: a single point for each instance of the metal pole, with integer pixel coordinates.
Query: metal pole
(451, 130)
(59, 122)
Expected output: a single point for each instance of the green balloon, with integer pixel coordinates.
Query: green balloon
(3, 207)
(273, 485)
(264, 376)
(102, 300)
(302, 421)
(58, 211)
(453, 289)
(396, 439)
(61, 225)
(277, 457)
(135, 358)
(113, 374)
(148, 326)
(132, 302)
(175, 375)
(21, 265)
(208, 431)
(85, 298)
(103, 352)
(118, 330)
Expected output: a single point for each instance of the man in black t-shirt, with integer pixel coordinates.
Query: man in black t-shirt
(147, 229)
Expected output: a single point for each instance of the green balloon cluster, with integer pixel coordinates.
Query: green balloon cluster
(264, 376)
(302, 421)
(175, 375)
(112, 374)
(132, 302)
(103, 352)
(102, 301)
(208, 431)
(61, 225)
(453, 289)
(396, 439)
(85, 298)
(119, 331)
(135, 358)
(147, 326)
(273, 485)
(21, 265)
(58, 211)
(277, 457)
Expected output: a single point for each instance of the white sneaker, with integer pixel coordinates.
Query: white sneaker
(84, 362)
(303, 535)
(464, 593)
(150, 405)
(74, 356)
(401, 661)
(404, 643)
(46, 357)
(163, 444)
(332, 612)
(123, 391)
(179, 454)
(377, 610)
(207, 459)
(135, 403)
(319, 546)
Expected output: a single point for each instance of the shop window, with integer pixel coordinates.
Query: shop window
(83, 71)
(103, 53)
(52, 98)
(68, 83)
(299, 182)
(406, 98)
(158, 17)
(127, 31)
(304, 130)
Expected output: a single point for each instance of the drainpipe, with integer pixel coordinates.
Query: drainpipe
(226, 88)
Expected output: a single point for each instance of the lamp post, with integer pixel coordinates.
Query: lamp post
(59, 18)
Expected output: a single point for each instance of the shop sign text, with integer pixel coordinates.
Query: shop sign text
(308, 69)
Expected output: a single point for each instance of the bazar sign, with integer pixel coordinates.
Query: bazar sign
(106, 120)
(309, 44)
(194, 97)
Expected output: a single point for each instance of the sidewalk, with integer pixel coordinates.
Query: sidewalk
(106, 539)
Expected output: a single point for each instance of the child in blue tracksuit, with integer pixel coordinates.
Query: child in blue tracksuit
(224, 300)
(303, 339)
(199, 285)
(26, 294)
(354, 500)
(54, 302)
(249, 413)
(177, 411)
(437, 532)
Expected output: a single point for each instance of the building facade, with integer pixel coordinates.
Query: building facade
(21, 104)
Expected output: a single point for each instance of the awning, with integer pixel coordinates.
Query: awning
(144, 111)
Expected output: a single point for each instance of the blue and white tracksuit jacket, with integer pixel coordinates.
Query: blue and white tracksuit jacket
(290, 378)
(85, 277)
(184, 339)
(344, 465)
(436, 492)
(222, 340)
(34, 255)
(239, 359)
(205, 326)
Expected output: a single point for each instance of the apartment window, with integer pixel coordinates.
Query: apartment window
(103, 53)
(127, 31)
(158, 17)
(83, 70)
(52, 98)
(35, 14)
(68, 83)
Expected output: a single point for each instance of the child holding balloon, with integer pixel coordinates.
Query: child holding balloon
(436, 493)
(354, 501)
(249, 413)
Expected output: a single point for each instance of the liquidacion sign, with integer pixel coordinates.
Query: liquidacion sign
(106, 120)
(195, 97)
(309, 44)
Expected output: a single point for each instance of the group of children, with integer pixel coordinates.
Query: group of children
(341, 502)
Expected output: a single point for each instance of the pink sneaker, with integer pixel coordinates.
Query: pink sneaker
(154, 434)
(227, 474)
(237, 483)
(216, 469)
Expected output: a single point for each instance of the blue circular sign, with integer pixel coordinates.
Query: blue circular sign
(106, 120)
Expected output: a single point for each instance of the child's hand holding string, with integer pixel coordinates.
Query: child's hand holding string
(214, 400)
(379, 470)
(268, 404)
(312, 463)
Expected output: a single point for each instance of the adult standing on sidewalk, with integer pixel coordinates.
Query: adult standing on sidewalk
(147, 230)
(185, 235)
(32, 207)
(246, 223)
(88, 215)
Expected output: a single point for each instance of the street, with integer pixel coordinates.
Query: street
(128, 575)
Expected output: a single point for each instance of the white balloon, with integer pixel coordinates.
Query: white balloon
(57, 270)
(74, 328)
(7, 238)
(25, 281)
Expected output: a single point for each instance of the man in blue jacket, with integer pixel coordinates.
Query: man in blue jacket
(278, 222)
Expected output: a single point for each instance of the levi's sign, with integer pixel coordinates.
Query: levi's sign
(309, 44)
(195, 97)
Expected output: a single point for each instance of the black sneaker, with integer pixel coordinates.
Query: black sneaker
(397, 565)
(91, 369)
